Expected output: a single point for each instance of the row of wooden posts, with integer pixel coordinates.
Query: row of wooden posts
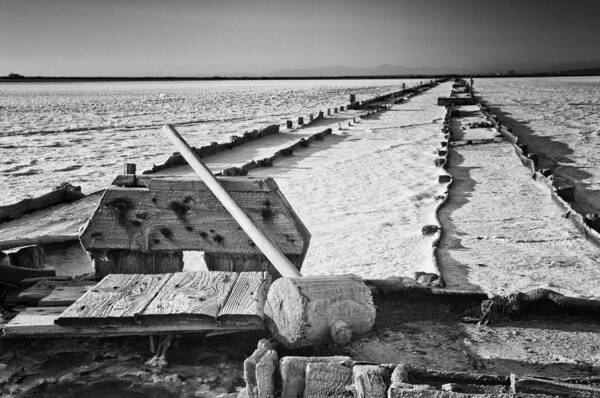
(353, 104)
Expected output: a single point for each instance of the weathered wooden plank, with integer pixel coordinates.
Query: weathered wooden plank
(64, 193)
(191, 182)
(554, 388)
(247, 298)
(293, 372)
(397, 391)
(64, 295)
(155, 219)
(33, 321)
(37, 293)
(328, 380)
(231, 184)
(118, 297)
(371, 381)
(265, 374)
(59, 223)
(192, 295)
(40, 322)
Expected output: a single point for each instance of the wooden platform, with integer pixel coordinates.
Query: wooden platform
(142, 304)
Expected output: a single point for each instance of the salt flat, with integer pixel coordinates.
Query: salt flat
(365, 192)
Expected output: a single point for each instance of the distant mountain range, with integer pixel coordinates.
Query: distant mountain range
(381, 70)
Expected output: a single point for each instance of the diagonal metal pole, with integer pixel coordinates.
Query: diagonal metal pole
(272, 252)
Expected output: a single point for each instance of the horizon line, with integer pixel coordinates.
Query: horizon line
(14, 77)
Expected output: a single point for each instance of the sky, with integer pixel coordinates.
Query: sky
(237, 37)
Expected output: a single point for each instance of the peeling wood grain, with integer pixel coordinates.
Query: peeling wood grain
(247, 297)
(164, 217)
(118, 296)
(192, 295)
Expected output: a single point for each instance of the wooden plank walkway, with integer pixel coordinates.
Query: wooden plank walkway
(139, 304)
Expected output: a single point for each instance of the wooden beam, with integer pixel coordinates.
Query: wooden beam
(300, 311)
(171, 215)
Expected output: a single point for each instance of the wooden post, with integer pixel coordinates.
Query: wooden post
(129, 168)
(327, 380)
(293, 372)
(370, 381)
(301, 311)
(250, 367)
(272, 252)
(265, 374)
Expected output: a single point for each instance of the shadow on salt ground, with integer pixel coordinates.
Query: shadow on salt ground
(455, 273)
(428, 332)
(550, 154)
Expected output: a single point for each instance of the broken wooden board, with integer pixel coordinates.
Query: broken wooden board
(208, 300)
(117, 297)
(247, 297)
(192, 295)
(52, 293)
(180, 214)
(40, 322)
(64, 295)
(60, 195)
(60, 223)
